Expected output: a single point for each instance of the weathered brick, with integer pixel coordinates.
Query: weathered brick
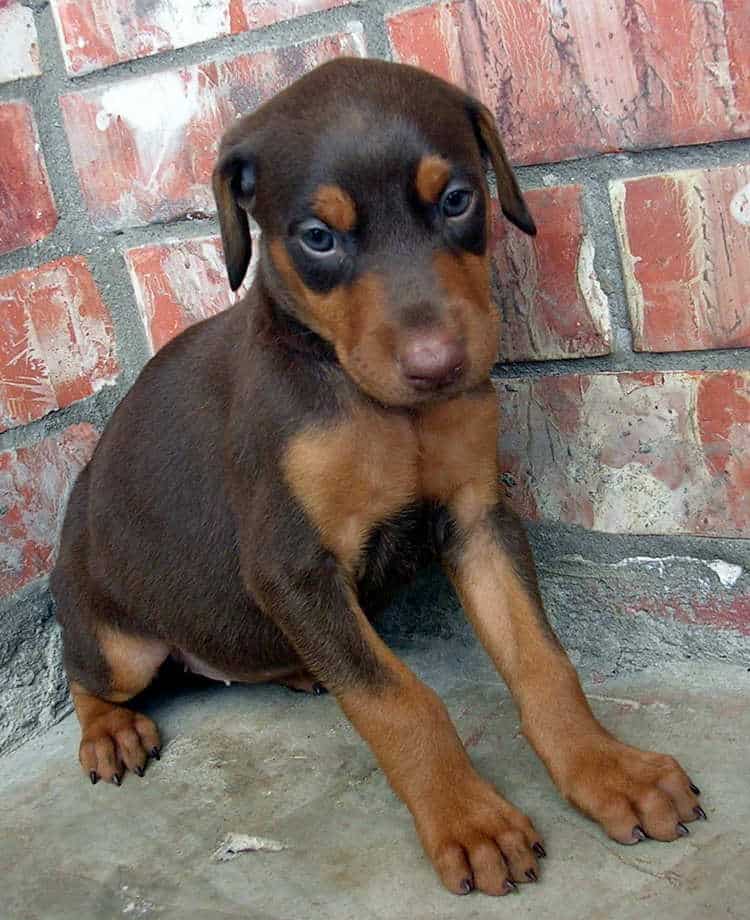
(19, 49)
(97, 33)
(178, 283)
(632, 452)
(645, 609)
(552, 304)
(34, 485)
(144, 149)
(568, 80)
(56, 340)
(717, 611)
(685, 244)
(27, 211)
(737, 25)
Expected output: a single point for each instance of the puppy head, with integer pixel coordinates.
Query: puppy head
(368, 182)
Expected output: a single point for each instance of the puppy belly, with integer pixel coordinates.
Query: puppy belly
(194, 664)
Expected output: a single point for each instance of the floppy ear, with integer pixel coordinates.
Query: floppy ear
(233, 183)
(511, 199)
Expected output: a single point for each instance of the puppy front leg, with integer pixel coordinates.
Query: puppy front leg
(628, 791)
(472, 836)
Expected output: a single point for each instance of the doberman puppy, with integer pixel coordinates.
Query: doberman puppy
(278, 469)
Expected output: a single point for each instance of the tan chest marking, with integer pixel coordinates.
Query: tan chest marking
(352, 477)
(458, 451)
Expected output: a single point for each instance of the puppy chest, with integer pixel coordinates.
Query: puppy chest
(351, 477)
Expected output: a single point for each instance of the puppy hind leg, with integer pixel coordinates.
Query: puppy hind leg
(114, 737)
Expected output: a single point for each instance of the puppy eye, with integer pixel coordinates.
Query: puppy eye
(456, 201)
(316, 237)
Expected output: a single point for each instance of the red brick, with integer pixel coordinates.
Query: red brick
(144, 149)
(633, 452)
(718, 612)
(27, 211)
(97, 33)
(179, 283)
(737, 25)
(56, 340)
(34, 485)
(685, 244)
(568, 80)
(552, 305)
(19, 49)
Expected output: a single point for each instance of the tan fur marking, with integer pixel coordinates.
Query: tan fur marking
(339, 315)
(465, 277)
(433, 173)
(133, 661)
(353, 476)
(458, 440)
(554, 712)
(353, 318)
(465, 280)
(113, 737)
(335, 206)
(456, 812)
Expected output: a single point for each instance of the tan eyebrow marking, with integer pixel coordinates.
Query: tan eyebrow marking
(334, 206)
(432, 175)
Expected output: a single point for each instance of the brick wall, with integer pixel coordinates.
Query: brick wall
(625, 387)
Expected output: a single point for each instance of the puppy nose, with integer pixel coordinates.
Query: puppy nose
(431, 360)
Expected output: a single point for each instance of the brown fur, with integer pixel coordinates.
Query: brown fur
(275, 473)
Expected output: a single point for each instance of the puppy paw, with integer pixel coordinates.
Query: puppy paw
(475, 839)
(633, 794)
(117, 740)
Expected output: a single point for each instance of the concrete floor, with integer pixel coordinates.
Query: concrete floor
(261, 760)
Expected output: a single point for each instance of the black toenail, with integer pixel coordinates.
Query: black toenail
(511, 886)
(116, 779)
(531, 875)
(539, 850)
(694, 789)
(467, 886)
(682, 830)
(94, 777)
(701, 814)
(639, 833)
(319, 690)
(155, 753)
(140, 771)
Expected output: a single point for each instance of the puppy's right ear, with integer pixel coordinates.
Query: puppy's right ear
(234, 190)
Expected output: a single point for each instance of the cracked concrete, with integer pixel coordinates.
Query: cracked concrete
(262, 761)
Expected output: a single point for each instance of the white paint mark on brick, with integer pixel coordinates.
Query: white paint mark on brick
(633, 290)
(19, 51)
(157, 111)
(185, 24)
(739, 206)
(357, 32)
(591, 291)
(727, 573)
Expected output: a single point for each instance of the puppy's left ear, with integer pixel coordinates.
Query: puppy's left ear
(511, 199)
(234, 180)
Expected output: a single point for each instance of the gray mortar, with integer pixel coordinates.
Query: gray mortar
(32, 693)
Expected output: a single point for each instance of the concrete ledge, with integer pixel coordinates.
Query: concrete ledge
(260, 760)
